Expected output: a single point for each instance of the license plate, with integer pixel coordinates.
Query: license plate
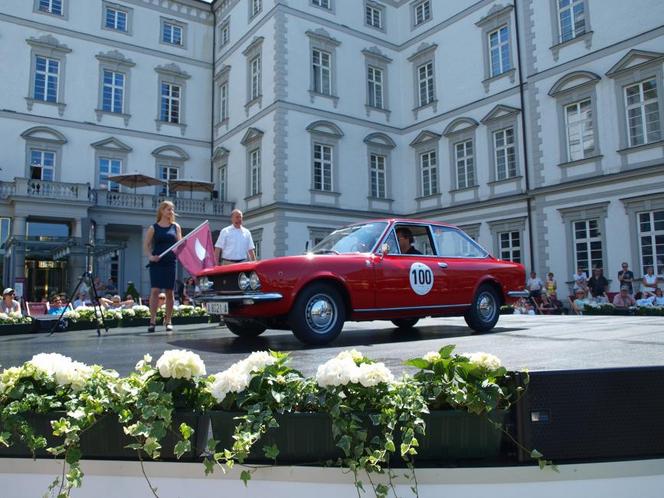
(217, 308)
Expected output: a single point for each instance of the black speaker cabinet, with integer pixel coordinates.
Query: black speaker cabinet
(582, 415)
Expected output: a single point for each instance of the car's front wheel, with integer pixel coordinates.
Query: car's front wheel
(484, 311)
(242, 328)
(405, 323)
(318, 314)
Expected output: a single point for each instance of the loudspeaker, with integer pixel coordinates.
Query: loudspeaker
(602, 414)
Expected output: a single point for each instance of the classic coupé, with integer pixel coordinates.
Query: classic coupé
(361, 273)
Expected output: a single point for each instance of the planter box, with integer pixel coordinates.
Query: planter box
(134, 322)
(459, 435)
(21, 328)
(89, 325)
(187, 320)
(106, 439)
(300, 437)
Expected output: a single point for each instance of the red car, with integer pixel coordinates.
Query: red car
(397, 269)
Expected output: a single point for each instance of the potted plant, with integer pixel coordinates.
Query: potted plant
(136, 316)
(15, 323)
(187, 314)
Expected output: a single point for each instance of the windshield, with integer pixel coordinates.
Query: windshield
(357, 238)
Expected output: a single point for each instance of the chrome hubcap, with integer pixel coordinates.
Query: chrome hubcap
(486, 307)
(321, 313)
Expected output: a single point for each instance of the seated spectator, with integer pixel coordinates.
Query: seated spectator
(82, 299)
(658, 298)
(8, 303)
(643, 302)
(623, 300)
(598, 285)
(580, 280)
(161, 300)
(57, 305)
(185, 300)
(523, 307)
(626, 277)
(649, 282)
(115, 303)
(99, 286)
(534, 285)
(579, 302)
(128, 302)
(548, 304)
(551, 286)
(110, 286)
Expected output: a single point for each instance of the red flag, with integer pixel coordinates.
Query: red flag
(196, 251)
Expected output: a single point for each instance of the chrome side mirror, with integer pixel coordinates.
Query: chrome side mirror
(384, 250)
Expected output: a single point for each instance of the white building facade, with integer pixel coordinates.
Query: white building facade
(535, 126)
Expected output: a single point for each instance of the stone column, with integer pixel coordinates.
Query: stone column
(18, 250)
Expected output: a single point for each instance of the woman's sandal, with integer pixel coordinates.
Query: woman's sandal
(169, 327)
(151, 327)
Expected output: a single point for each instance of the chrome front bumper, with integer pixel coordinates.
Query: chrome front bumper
(523, 293)
(247, 299)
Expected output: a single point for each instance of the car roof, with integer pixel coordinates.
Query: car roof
(407, 220)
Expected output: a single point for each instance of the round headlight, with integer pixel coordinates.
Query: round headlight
(204, 284)
(254, 281)
(243, 281)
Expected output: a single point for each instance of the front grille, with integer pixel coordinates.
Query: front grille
(226, 283)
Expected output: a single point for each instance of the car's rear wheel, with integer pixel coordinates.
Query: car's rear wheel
(405, 323)
(318, 314)
(242, 328)
(484, 311)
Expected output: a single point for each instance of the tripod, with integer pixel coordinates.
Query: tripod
(96, 302)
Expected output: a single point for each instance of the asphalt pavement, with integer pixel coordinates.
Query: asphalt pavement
(532, 342)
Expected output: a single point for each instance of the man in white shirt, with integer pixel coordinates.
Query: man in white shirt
(234, 244)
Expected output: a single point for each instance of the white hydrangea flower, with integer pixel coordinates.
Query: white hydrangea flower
(63, 369)
(258, 360)
(234, 379)
(353, 354)
(484, 360)
(180, 364)
(431, 356)
(337, 372)
(372, 374)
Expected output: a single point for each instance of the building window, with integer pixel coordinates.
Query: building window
(322, 167)
(51, 7)
(46, 79)
(378, 176)
(115, 19)
(587, 245)
(255, 172)
(223, 179)
(171, 33)
(510, 246)
(255, 74)
(323, 4)
(322, 67)
(425, 83)
(651, 240)
(642, 106)
(571, 19)
(223, 100)
(113, 91)
(429, 173)
(42, 165)
(499, 51)
(373, 16)
(505, 154)
(580, 133)
(255, 6)
(225, 33)
(375, 81)
(422, 12)
(167, 173)
(170, 103)
(109, 167)
(465, 167)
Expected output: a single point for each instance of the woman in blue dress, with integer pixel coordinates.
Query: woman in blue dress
(160, 236)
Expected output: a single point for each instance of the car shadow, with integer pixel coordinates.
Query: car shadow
(284, 340)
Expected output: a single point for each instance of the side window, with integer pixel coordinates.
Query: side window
(420, 239)
(454, 243)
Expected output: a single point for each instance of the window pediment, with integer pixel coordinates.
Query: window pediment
(255, 45)
(379, 140)
(220, 153)
(425, 137)
(173, 70)
(573, 81)
(115, 58)
(499, 112)
(166, 152)
(111, 144)
(44, 134)
(326, 128)
(635, 59)
(50, 43)
(424, 50)
(323, 37)
(459, 125)
(375, 53)
(251, 135)
(496, 15)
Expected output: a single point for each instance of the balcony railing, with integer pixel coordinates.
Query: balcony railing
(41, 189)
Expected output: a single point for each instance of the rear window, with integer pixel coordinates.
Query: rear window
(453, 243)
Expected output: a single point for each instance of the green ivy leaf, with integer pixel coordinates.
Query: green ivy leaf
(245, 475)
(417, 363)
(271, 452)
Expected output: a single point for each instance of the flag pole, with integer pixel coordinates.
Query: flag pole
(183, 239)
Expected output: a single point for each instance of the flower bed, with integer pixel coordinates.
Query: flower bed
(353, 413)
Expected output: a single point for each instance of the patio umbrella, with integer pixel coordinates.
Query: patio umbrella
(190, 185)
(135, 180)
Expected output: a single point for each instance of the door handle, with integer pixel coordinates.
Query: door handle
(442, 265)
